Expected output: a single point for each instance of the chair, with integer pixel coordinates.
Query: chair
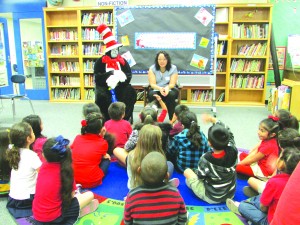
(17, 80)
(147, 88)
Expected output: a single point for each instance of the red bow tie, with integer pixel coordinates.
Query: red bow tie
(112, 63)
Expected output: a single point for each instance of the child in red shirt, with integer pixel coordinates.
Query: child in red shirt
(89, 152)
(260, 209)
(117, 126)
(261, 161)
(55, 201)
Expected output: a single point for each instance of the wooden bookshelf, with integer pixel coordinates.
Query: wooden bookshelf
(231, 19)
(73, 45)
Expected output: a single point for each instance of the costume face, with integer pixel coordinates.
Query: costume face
(162, 61)
(114, 52)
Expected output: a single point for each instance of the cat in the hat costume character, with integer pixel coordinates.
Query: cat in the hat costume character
(112, 75)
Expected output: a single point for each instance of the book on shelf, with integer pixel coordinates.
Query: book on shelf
(221, 97)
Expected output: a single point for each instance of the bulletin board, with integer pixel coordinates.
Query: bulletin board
(185, 32)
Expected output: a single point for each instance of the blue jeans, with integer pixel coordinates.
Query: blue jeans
(104, 165)
(250, 209)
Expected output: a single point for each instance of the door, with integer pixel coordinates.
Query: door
(29, 41)
(5, 64)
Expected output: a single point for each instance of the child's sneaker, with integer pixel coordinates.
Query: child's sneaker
(233, 206)
(91, 207)
(249, 192)
(174, 182)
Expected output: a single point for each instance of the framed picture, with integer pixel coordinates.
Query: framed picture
(281, 56)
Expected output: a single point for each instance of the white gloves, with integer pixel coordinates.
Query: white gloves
(113, 80)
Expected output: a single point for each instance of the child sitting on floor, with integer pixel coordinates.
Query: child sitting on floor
(25, 165)
(260, 209)
(186, 148)
(215, 179)
(37, 127)
(154, 201)
(55, 201)
(261, 160)
(117, 126)
(4, 165)
(288, 137)
(89, 152)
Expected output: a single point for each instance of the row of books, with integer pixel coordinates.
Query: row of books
(68, 93)
(250, 31)
(90, 34)
(242, 65)
(222, 48)
(89, 94)
(246, 81)
(89, 80)
(65, 81)
(96, 18)
(65, 66)
(93, 49)
(253, 50)
(64, 50)
(280, 98)
(202, 96)
(63, 35)
(220, 65)
(88, 65)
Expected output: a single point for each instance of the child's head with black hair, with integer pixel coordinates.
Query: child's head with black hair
(35, 122)
(288, 160)
(154, 169)
(218, 137)
(89, 108)
(57, 150)
(4, 164)
(286, 119)
(179, 109)
(288, 137)
(116, 110)
(93, 123)
(268, 128)
(189, 121)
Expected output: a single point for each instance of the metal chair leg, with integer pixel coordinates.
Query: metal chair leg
(13, 108)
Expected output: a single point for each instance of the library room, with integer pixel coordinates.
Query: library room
(216, 82)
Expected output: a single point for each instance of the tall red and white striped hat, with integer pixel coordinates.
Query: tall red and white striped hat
(108, 38)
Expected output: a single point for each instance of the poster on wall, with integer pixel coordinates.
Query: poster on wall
(294, 50)
(281, 57)
(33, 54)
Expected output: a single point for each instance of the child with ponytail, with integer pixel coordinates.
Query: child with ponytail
(25, 164)
(89, 151)
(55, 201)
(261, 160)
(188, 146)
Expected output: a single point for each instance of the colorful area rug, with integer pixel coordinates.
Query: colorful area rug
(110, 212)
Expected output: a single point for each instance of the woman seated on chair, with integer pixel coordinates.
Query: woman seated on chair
(163, 78)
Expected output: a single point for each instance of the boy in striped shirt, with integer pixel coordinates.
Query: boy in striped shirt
(156, 201)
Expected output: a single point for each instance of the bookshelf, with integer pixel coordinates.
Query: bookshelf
(242, 55)
(73, 45)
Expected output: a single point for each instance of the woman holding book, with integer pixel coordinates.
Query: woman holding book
(163, 77)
